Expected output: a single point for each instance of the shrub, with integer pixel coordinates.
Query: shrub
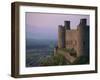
(53, 60)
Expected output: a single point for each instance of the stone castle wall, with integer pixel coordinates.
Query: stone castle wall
(61, 35)
(77, 39)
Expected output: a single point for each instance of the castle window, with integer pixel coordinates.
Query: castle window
(83, 43)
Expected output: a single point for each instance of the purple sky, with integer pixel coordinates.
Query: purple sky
(45, 25)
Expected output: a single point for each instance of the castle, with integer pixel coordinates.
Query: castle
(73, 43)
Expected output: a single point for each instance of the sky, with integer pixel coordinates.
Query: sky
(45, 25)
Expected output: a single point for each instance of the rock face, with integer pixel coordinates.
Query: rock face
(78, 39)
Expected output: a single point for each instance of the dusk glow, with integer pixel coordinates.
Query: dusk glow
(45, 25)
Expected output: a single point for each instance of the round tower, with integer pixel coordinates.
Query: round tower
(61, 36)
(67, 25)
(83, 38)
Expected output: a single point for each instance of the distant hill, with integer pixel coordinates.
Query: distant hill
(35, 43)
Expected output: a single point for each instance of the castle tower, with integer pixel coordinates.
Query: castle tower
(61, 36)
(67, 25)
(83, 22)
(83, 38)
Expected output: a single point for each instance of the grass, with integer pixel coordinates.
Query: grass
(71, 51)
(82, 60)
(54, 60)
(67, 50)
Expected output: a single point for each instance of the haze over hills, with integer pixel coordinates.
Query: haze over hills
(43, 43)
(37, 50)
